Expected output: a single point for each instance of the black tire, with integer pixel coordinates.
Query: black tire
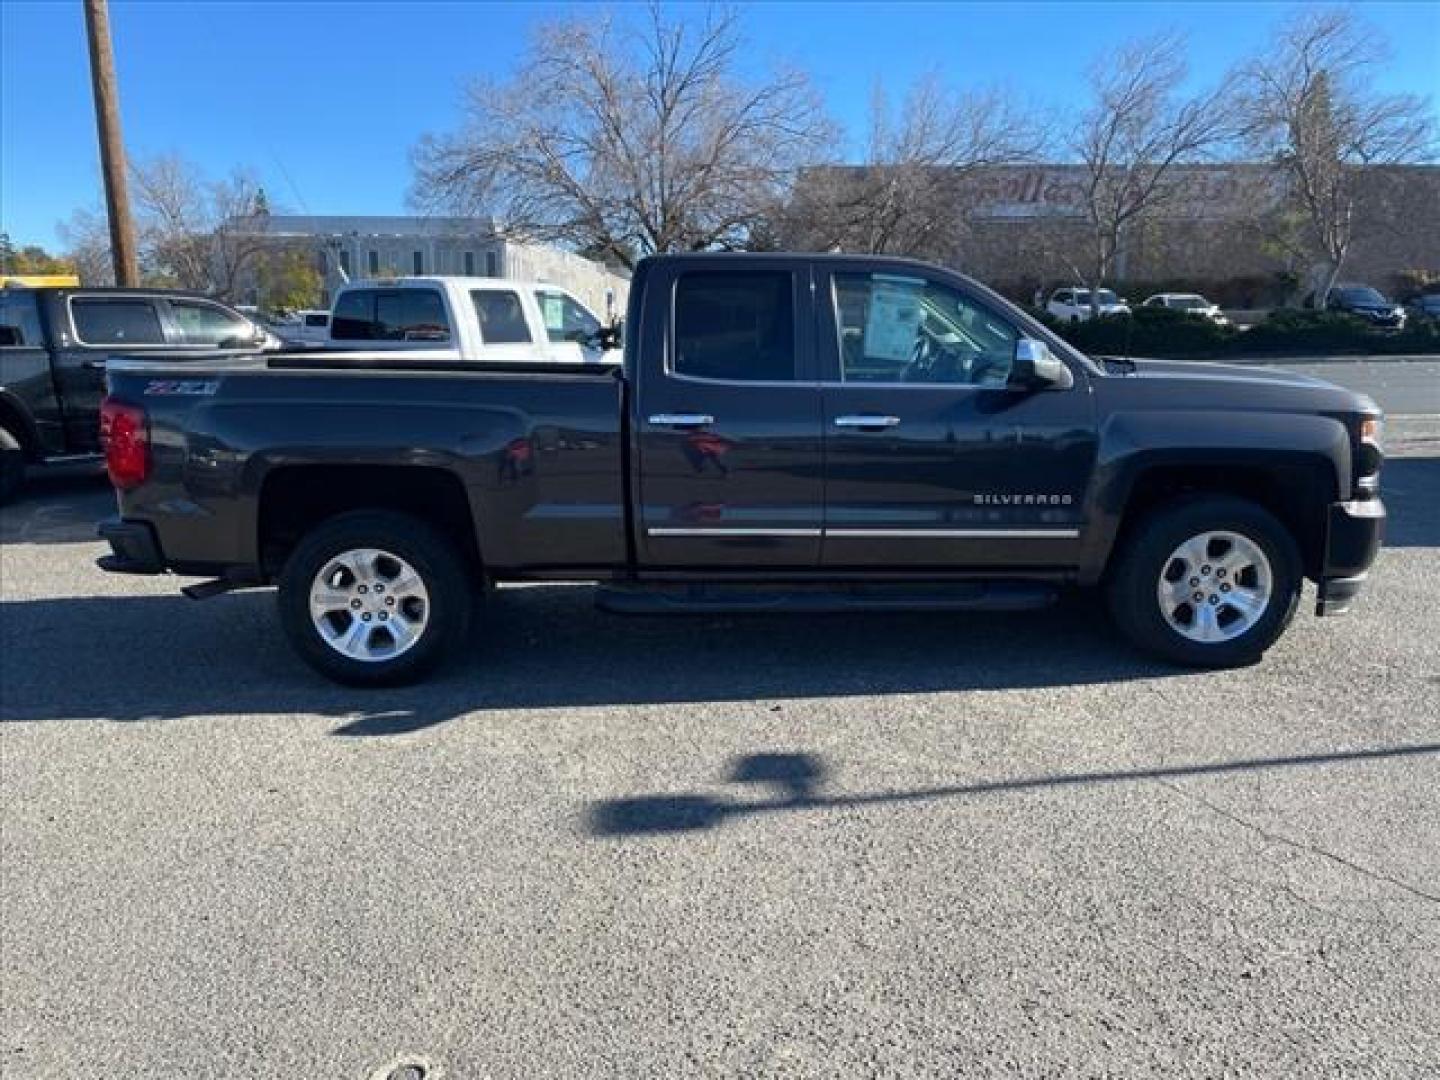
(12, 466)
(1132, 583)
(433, 557)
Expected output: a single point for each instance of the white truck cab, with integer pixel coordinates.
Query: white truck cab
(468, 318)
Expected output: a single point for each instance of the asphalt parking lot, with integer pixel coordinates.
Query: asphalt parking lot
(782, 847)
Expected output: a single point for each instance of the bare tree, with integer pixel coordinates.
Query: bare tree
(1309, 109)
(909, 197)
(198, 233)
(1137, 134)
(86, 237)
(626, 138)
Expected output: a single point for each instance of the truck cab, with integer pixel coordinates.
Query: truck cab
(469, 318)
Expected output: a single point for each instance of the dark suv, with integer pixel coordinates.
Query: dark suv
(53, 346)
(1367, 303)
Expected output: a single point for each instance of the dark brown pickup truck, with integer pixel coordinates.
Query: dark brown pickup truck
(785, 433)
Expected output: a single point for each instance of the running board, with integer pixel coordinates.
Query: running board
(736, 599)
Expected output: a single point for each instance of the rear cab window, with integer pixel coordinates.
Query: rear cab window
(116, 321)
(735, 327)
(390, 315)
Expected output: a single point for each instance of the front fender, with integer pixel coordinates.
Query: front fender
(1309, 455)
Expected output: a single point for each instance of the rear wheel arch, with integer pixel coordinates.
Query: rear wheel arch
(294, 500)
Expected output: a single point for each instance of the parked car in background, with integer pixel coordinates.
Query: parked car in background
(305, 327)
(1367, 303)
(1073, 305)
(1424, 308)
(54, 343)
(1192, 303)
(470, 318)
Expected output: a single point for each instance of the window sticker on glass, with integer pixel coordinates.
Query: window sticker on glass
(554, 305)
(892, 317)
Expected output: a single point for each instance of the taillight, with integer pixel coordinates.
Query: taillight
(125, 435)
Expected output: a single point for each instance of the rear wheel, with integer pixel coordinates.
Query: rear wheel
(374, 598)
(1210, 581)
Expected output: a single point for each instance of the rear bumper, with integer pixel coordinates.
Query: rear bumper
(1353, 534)
(134, 548)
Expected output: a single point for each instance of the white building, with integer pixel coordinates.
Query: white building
(353, 247)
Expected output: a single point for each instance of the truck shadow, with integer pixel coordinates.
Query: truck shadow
(792, 783)
(537, 647)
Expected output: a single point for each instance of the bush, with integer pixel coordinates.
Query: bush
(1162, 332)
(1288, 330)
(1148, 332)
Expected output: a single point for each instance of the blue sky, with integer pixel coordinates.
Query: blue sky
(324, 100)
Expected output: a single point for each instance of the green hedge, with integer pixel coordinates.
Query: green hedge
(1162, 332)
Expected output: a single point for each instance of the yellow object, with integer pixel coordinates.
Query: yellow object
(39, 280)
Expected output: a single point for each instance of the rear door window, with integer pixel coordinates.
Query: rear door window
(104, 321)
(736, 327)
(502, 318)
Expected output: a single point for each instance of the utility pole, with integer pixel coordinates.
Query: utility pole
(112, 147)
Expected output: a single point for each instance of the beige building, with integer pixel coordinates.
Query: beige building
(353, 247)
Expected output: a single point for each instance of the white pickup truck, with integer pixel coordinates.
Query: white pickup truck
(495, 320)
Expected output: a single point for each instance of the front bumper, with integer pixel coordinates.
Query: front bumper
(134, 548)
(1353, 534)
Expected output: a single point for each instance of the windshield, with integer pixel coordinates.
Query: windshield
(1362, 295)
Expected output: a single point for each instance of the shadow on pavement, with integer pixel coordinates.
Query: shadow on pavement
(794, 777)
(58, 507)
(1410, 487)
(158, 657)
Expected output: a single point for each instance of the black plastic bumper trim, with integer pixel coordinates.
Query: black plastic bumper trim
(133, 546)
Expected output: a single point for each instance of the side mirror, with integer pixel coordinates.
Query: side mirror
(608, 337)
(1035, 367)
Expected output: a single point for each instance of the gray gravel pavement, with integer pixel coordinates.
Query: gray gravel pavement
(770, 846)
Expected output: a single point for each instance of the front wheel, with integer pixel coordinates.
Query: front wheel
(1211, 581)
(374, 598)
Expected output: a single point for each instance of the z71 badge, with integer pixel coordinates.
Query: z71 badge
(181, 387)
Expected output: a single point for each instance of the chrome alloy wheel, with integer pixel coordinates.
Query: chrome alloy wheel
(1215, 586)
(369, 605)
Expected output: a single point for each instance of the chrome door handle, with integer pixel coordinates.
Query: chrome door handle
(867, 421)
(94, 365)
(686, 419)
